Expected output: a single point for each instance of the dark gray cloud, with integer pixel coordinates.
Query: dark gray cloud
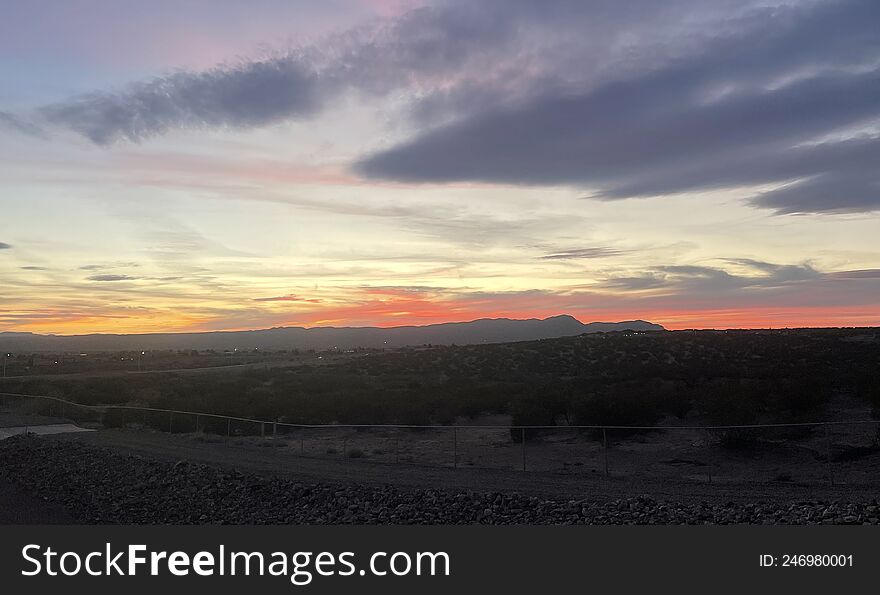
(625, 99)
(605, 136)
(779, 273)
(846, 158)
(247, 95)
(845, 190)
(451, 57)
(288, 298)
(857, 274)
(296, 84)
(583, 253)
(103, 278)
(5, 246)
(747, 108)
(638, 283)
(34, 268)
(107, 265)
(711, 280)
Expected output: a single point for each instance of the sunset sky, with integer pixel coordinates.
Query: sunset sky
(219, 165)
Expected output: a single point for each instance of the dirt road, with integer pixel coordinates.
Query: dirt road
(285, 463)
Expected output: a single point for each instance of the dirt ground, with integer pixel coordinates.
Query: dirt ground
(286, 462)
(559, 463)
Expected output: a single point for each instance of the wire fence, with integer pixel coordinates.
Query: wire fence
(806, 452)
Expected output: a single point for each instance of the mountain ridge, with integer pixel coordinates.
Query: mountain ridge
(482, 330)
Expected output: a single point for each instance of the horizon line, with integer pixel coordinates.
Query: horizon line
(432, 324)
(315, 327)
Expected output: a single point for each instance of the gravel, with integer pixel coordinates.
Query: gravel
(96, 485)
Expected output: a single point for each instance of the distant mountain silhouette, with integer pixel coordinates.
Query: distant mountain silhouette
(485, 330)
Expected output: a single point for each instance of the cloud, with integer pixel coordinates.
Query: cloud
(638, 283)
(825, 176)
(583, 253)
(5, 246)
(246, 95)
(759, 295)
(295, 84)
(857, 274)
(843, 190)
(34, 268)
(288, 298)
(779, 273)
(110, 265)
(18, 124)
(441, 57)
(111, 278)
(699, 281)
(749, 107)
(622, 99)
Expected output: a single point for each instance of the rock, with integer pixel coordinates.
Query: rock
(99, 486)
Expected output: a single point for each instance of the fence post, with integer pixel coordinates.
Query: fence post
(397, 450)
(344, 447)
(275, 435)
(455, 448)
(605, 450)
(523, 438)
(708, 456)
(828, 454)
(262, 430)
(197, 422)
(228, 430)
(170, 422)
(302, 446)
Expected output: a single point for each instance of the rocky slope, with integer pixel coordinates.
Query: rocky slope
(99, 486)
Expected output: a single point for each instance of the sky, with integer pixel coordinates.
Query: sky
(196, 165)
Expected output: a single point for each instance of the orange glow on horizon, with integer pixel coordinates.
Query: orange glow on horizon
(388, 315)
(400, 306)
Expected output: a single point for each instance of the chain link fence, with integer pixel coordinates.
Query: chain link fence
(835, 452)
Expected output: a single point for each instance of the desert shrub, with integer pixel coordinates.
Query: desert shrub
(356, 453)
(796, 399)
(114, 418)
(728, 403)
(738, 439)
(619, 405)
(853, 453)
(534, 409)
(867, 386)
(732, 403)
